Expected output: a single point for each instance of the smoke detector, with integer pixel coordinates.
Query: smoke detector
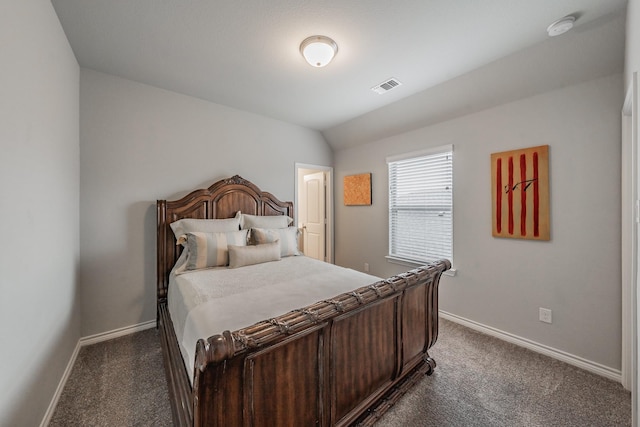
(561, 26)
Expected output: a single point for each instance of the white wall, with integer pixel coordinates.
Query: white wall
(502, 282)
(39, 191)
(140, 144)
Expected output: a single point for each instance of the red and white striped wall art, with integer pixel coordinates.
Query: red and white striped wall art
(520, 188)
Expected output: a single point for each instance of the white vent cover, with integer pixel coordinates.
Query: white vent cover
(386, 86)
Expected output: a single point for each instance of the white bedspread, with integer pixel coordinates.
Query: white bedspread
(207, 302)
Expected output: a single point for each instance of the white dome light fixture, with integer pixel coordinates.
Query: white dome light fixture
(318, 50)
(561, 26)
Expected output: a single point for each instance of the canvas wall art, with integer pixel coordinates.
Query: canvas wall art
(357, 190)
(520, 189)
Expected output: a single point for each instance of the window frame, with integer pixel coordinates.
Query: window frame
(399, 259)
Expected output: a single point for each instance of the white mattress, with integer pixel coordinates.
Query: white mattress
(207, 302)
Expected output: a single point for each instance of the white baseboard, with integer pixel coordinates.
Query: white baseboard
(596, 368)
(61, 384)
(105, 336)
(84, 341)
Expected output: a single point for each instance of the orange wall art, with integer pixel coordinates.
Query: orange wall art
(357, 190)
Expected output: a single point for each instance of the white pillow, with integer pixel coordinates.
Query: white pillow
(288, 238)
(268, 221)
(207, 250)
(239, 256)
(187, 225)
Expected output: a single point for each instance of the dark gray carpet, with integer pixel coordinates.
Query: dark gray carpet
(479, 381)
(483, 381)
(120, 382)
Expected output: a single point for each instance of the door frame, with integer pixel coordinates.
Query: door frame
(630, 243)
(328, 170)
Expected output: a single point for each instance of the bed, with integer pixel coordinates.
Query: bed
(342, 360)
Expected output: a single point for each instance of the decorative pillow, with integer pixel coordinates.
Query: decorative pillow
(239, 256)
(288, 238)
(210, 249)
(257, 221)
(179, 266)
(188, 225)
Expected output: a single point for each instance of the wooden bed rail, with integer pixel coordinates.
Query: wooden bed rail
(233, 369)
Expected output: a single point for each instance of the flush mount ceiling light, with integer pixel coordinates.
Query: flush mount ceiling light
(318, 50)
(561, 26)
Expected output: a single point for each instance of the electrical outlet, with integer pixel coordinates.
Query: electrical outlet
(366, 267)
(545, 315)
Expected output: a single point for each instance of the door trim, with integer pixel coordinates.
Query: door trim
(329, 240)
(630, 192)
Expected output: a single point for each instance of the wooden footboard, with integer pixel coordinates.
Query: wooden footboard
(337, 362)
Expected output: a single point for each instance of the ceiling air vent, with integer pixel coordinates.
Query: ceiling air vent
(386, 86)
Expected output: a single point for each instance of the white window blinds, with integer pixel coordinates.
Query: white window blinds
(421, 206)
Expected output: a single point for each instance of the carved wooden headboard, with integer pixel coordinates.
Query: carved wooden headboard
(222, 200)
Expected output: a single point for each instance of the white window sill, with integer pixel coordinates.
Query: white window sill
(409, 263)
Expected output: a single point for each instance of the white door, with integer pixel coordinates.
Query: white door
(314, 227)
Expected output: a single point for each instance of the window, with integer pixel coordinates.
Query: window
(421, 206)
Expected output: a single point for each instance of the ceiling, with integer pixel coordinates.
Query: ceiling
(244, 54)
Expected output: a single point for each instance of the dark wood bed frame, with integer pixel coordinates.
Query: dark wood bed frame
(338, 362)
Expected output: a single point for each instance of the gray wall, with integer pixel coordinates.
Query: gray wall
(39, 191)
(632, 64)
(139, 144)
(502, 282)
(632, 45)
